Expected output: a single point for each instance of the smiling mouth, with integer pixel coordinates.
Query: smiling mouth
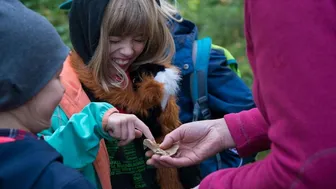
(121, 62)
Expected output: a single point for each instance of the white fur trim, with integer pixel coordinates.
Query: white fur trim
(170, 78)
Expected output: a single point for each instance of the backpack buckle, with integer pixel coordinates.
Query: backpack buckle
(202, 108)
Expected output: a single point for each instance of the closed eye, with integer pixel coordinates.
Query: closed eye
(114, 41)
(140, 40)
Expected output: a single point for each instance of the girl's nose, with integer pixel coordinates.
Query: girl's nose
(127, 50)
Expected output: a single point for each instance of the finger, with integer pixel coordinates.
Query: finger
(128, 128)
(157, 158)
(116, 133)
(124, 131)
(153, 163)
(158, 164)
(138, 124)
(149, 153)
(131, 132)
(171, 138)
(138, 134)
(123, 142)
(176, 162)
(164, 164)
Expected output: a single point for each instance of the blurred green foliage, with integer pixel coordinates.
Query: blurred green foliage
(223, 21)
(49, 9)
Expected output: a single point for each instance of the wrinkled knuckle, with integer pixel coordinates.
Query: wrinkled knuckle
(133, 117)
(128, 140)
(114, 121)
(110, 120)
(122, 121)
(114, 135)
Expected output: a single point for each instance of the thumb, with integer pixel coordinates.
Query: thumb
(172, 138)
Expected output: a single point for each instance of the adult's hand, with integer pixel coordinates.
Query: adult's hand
(126, 127)
(198, 141)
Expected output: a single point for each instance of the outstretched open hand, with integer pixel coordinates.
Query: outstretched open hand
(197, 141)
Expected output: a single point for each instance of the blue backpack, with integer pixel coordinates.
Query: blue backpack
(199, 92)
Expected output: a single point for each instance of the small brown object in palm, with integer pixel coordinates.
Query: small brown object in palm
(157, 150)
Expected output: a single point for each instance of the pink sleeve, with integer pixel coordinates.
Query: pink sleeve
(249, 131)
(264, 174)
(292, 51)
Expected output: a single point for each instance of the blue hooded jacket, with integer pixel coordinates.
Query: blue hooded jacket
(34, 164)
(227, 92)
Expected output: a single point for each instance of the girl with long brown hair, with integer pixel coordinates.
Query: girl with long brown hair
(122, 56)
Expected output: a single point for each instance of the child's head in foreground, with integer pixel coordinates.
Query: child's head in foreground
(32, 55)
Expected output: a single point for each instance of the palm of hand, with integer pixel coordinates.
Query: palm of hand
(199, 142)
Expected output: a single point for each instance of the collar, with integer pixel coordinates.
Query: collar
(10, 135)
(184, 34)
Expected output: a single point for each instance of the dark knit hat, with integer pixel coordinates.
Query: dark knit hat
(31, 53)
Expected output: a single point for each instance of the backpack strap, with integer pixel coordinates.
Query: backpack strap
(230, 60)
(198, 79)
(199, 84)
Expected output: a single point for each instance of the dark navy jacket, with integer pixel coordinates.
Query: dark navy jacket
(33, 164)
(227, 92)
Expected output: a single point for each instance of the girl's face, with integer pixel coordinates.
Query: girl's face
(124, 50)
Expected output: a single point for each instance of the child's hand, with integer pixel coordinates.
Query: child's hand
(125, 127)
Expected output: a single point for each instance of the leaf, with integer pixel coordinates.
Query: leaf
(157, 150)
